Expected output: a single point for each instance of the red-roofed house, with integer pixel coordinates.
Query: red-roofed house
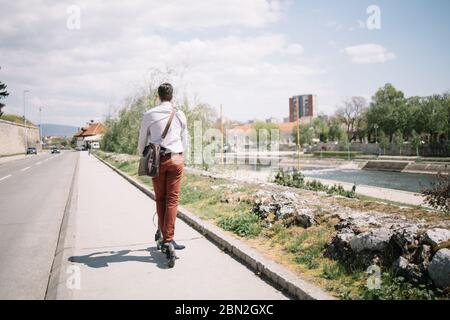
(91, 134)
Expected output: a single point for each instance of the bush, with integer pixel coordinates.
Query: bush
(332, 271)
(244, 224)
(438, 195)
(397, 288)
(296, 179)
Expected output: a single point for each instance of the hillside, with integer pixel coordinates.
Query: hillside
(15, 118)
(58, 130)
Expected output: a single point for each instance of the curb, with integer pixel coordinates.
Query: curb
(56, 288)
(275, 273)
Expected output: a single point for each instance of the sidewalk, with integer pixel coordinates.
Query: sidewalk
(6, 159)
(109, 243)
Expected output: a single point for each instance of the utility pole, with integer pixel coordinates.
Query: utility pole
(298, 137)
(25, 119)
(221, 130)
(40, 124)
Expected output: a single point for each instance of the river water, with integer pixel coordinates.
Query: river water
(412, 182)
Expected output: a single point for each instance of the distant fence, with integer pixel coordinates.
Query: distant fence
(12, 137)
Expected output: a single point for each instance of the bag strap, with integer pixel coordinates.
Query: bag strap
(166, 129)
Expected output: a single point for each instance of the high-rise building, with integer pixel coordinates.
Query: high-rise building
(304, 106)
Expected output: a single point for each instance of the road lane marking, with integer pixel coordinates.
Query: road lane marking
(5, 177)
(38, 163)
(24, 169)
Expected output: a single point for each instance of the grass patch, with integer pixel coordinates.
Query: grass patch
(16, 119)
(396, 288)
(243, 224)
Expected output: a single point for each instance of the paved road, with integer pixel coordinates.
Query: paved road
(33, 195)
(110, 253)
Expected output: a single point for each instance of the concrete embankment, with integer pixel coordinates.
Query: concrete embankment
(407, 166)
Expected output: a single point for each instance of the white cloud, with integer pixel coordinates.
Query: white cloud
(294, 49)
(369, 53)
(361, 24)
(76, 75)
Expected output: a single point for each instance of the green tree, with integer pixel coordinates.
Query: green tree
(122, 132)
(321, 129)
(335, 131)
(200, 113)
(384, 141)
(261, 125)
(399, 141)
(307, 134)
(388, 109)
(3, 95)
(416, 141)
(352, 114)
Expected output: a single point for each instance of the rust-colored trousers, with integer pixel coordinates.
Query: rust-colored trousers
(167, 193)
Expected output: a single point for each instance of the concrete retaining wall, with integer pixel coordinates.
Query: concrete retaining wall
(405, 166)
(391, 150)
(12, 137)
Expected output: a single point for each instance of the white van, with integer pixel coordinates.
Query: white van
(95, 145)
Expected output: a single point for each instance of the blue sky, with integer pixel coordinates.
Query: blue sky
(249, 55)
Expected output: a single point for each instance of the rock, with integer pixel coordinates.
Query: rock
(358, 221)
(304, 218)
(285, 196)
(402, 267)
(373, 240)
(422, 257)
(437, 238)
(285, 205)
(406, 237)
(286, 211)
(339, 247)
(263, 210)
(262, 202)
(292, 214)
(439, 270)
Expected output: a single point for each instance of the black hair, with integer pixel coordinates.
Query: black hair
(165, 92)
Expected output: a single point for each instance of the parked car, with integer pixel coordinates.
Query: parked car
(56, 150)
(31, 150)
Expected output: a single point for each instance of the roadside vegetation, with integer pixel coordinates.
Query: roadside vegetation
(296, 179)
(229, 206)
(438, 195)
(16, 119)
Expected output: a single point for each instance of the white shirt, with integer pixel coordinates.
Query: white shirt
(153, 124)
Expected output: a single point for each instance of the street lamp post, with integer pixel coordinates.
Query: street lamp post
(40, 124)
(298, 138)
(376, 133)
(376, 137)
(25, 119)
